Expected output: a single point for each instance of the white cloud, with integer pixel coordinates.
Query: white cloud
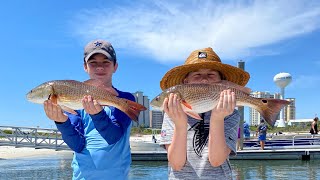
(305, 82)
(168, 31)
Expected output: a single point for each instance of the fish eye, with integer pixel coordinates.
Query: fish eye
(157, 98)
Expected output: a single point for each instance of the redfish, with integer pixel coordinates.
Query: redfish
(200, 98)
(69, 93)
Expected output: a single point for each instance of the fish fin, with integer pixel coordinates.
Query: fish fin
(69, 110)
(99, 84)
(53, 98)
(133, 109)
(194, 115)
(270, 109)
(187, 105)
(231, 84)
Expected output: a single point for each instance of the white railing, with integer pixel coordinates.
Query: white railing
(31, 137)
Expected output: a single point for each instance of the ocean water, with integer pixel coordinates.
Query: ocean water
(59, 168)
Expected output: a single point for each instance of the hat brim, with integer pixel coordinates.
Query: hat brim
(101, 52)
(177, 74)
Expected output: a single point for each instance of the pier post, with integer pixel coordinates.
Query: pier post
(241, 110)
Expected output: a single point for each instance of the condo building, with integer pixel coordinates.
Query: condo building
(144, 116)
(156, 119)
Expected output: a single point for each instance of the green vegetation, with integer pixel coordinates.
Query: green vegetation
(141, 130)
(7, 131)
(301, 127)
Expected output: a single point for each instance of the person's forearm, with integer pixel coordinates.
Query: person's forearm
(74, 139)
(218, 149)
(177, 151)
(110, 129)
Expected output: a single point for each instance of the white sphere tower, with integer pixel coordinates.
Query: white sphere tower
(282, 80)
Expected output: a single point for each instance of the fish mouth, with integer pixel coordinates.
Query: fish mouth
(28, 96)
(155, 107)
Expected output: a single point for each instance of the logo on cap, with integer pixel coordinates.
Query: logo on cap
(202, 55)
(98, 44)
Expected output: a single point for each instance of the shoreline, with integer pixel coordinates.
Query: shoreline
(11, 152)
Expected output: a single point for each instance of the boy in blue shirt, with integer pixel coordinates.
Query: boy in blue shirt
(98, 135)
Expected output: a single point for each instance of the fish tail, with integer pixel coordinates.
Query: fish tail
(133, 110)
(270, 109)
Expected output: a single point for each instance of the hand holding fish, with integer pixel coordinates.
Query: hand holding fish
(172, 107)
(90, 105)
(225, 106)
(54, 112)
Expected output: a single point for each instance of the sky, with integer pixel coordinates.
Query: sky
(44, 40)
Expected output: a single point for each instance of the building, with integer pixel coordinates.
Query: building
(290, 110)
(144, 116)
(300, 122)
(156, 119)
(254, 115)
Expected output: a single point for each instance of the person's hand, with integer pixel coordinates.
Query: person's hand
(54, 112)
(172, 107)
(90, 105)
(226, 104)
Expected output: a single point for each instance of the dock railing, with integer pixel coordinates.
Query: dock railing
(299, 140)
(31, 137)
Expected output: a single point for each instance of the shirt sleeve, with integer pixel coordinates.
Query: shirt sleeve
(112, 127)
(72, 132)
(166, 130)
(231, 125)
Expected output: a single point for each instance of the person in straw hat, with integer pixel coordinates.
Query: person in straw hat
(200, 149)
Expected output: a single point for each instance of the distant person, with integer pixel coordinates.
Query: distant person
(98, 135)
(246, 131)
(154, 139)
(262, 131)
(314, 126)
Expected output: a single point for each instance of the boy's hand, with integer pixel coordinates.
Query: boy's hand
(54, 112)
(90, 105)
(226, 104)
(173, 108)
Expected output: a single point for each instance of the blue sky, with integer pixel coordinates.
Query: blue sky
(43, 40)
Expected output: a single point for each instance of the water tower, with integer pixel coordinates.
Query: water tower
(282, 80)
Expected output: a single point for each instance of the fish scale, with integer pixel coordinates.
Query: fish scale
(70, 94)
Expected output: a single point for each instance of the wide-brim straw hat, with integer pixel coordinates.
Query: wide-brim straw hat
(203, 59)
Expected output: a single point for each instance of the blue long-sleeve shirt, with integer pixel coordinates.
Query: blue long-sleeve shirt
(100, 142)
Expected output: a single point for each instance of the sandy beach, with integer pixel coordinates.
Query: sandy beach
(10, 152)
